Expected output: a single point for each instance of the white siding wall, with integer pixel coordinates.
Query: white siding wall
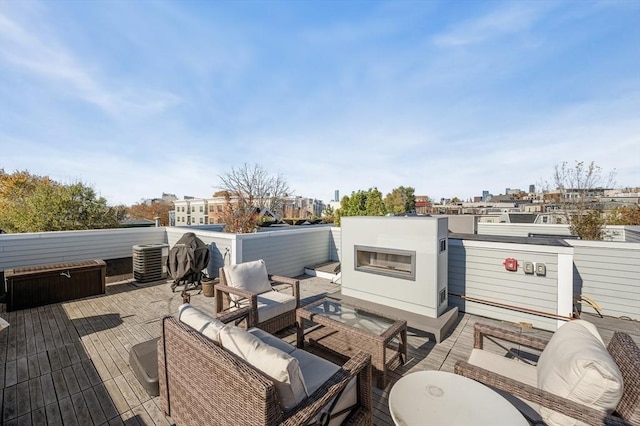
(335, 245)
(611, 232)
(287, 252)
(609, 273)
(41, 248)
(521, 229)
(476, 270)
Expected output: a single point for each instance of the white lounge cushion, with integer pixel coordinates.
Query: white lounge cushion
(274, 303)
(514, 369)
(250, 276)
(200, 321)
(271, 304)
(576, 365)
(272, 340)
(281, 367)
(316, 372)
(508, 367)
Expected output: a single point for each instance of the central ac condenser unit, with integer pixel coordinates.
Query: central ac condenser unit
(150, 262)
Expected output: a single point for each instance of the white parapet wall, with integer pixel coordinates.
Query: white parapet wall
(42, 248)
(608, 273)
(481, 284)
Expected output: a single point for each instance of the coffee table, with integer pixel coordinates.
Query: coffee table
(344, 329)
(441, 398)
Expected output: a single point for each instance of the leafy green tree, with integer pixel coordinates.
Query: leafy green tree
(361, 203)
(400, 200)
(30, 203)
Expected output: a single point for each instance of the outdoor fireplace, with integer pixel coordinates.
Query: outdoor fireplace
(386, 261)
(396, 261)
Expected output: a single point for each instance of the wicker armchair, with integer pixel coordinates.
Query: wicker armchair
(259, 302)
(201, 383)
(622, 348)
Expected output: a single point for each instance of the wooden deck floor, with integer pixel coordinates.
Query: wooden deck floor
(67, 363)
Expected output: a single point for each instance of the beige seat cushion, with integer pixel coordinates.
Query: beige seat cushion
(508, 367)
(249, 276)
(271, 304)
(514, 369)
(316, 372)
(279, 366)
(576, 365)
(272, 340)
(200, 321)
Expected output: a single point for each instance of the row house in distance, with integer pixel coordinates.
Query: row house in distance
(201, 211)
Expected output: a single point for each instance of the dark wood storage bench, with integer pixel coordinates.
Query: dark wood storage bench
(32, 286)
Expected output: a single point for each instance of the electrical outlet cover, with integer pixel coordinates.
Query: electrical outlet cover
(528, 268)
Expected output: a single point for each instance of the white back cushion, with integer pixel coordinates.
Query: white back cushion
(576, 365)
(281, 367)
(199, 321)
(250, 276)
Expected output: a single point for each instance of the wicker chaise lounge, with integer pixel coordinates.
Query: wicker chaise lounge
(248, 284)
(502, 373)
(203, 382)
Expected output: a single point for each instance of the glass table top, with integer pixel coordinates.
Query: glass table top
(352, 317)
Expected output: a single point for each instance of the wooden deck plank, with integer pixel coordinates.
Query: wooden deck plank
(117, 398)
(67, 411)
(11, 338)
(43, 363)
(54, 359)
(21, 339)
(11, 373)
(155, 413)
(130, 419)
(60, 384)
(23, 405)
(91, 372)
(46, 329)
(53, 415)
(35, 393)
(30, 337)
(48, 389)
(82, 411)
(142, 415)
(70, 379)
(24, 420)
(109, 409)
(127, 392)
(39, 417)
(94, 407)
(10, 404)
(22, 369)
(81, 376)
(33, 366)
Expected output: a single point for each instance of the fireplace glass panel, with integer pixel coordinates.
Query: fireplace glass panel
(385, 261)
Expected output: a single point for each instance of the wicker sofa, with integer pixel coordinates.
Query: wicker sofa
(205, 379)
(248, 285)
(593, 384)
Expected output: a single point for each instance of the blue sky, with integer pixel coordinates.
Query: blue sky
(136, 98)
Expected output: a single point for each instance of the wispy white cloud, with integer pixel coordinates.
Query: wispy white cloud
(508, 19)
(48, 60)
